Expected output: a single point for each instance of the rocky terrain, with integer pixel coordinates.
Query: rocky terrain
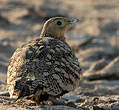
(95, 40)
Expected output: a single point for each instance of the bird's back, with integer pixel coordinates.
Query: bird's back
(46, 63)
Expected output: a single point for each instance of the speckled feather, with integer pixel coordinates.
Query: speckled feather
(43, 66)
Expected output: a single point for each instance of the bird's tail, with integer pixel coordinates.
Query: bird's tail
(33, 90)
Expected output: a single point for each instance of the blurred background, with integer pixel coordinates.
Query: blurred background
(95, 39)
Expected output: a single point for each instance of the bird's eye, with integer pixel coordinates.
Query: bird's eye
(59, 23)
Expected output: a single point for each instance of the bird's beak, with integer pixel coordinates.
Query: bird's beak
(73, 20)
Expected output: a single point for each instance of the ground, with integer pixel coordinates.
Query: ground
(95, 40)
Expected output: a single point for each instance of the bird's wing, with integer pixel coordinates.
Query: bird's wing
(49, 63)
(56, 67)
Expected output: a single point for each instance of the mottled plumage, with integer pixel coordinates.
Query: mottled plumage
(46, 66)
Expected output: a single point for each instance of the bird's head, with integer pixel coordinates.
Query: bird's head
(57, 26)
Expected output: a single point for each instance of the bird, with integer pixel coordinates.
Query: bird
(45, 67)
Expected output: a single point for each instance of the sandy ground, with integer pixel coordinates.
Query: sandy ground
(95, 40)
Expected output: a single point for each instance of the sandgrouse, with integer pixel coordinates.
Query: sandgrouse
(45, 67)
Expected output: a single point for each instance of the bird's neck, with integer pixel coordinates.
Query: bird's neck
(52, 33)
(53, 36)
